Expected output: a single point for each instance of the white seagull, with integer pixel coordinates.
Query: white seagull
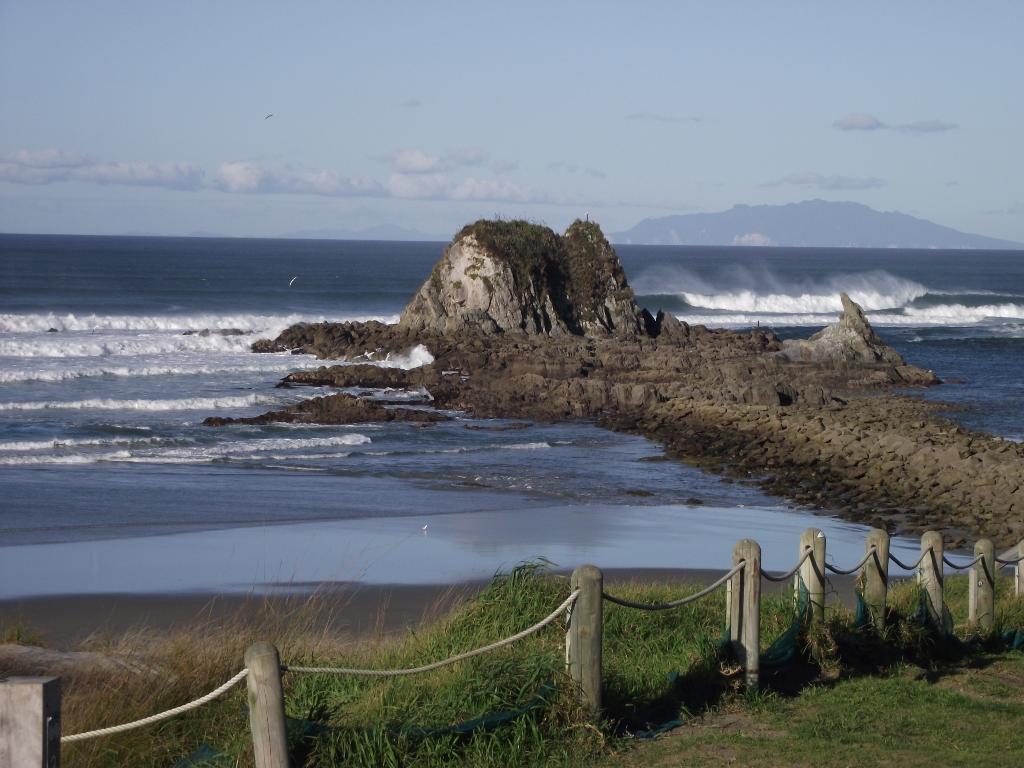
(424, 528)
(292, 281)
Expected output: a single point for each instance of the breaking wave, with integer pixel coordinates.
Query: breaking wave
(181, 404)
(171, 451)
(29, 323)
(281, 363)
(742, 296)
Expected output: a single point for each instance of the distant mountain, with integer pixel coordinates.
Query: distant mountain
(379, 232)
(816, 223)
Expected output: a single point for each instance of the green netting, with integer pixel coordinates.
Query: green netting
(1014, 639)
(485, 722)
(304, 728)
(204, 756)
(923, 616)
(787, 645)
(862, 615)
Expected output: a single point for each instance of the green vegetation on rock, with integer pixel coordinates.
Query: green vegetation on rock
(578, 271)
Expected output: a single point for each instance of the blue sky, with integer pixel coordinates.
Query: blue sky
(149, 117)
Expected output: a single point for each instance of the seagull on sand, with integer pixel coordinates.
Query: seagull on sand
(292, 281)
(269, 115)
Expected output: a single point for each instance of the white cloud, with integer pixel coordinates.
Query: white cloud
(426, 177)
(863, 122)
(419, 161)
(49, 166)
(828, 183)
(441, 186)
(244, 177)
(415, 161)
(752, 238)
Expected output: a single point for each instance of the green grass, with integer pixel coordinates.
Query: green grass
(852, 693)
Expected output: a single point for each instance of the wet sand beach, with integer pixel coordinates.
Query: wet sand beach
(349, 610)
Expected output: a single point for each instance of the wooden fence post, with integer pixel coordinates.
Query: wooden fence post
(812, 572)
(266, 706)
(930, 576)
(745, 610)
(876, 575)
(583, 641)
(982, 594)
(30, 722)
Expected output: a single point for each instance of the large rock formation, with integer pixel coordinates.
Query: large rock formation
(523, 323)
(852, 339)
(521, 278)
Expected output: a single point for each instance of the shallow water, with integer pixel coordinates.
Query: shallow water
(457, 546)
(110, 483)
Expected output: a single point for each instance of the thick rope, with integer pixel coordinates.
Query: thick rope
(964, 567)
(444, 662)
(792, 572)
(857, 567)
(1010, 560)
(681, 601)
(913, 567)
(162, 715)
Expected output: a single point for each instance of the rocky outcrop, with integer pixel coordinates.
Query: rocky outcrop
(513, 277)
(332, 409)
(852, 339)
(523, 323)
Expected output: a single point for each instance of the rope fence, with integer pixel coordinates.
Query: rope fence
(195, 704)
(964, 566)
(792, 571)
(913, 567)
(849, 571)
(675, 603)
(444, 662)
(584, 611)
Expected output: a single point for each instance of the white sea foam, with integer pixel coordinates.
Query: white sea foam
(182, 404)
(151, 450)
(743, 289)
(165, 356)
(535, 446)
(414, 358)
(958, 314)
(27, 323)
(243, 364)
(948, 315)
(108, 345)
(67, 459)
(784, 303)
(63, 443)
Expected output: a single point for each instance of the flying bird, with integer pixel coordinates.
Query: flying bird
(269, 115)
(292, 281)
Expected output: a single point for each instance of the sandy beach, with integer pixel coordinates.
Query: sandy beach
(349, 610)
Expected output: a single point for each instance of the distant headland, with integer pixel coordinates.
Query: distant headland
(811, 223)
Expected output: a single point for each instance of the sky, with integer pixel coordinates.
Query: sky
(151, 117)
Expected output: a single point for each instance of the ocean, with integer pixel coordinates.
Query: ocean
(113, 350)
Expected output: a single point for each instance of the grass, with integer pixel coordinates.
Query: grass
(853, 698)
